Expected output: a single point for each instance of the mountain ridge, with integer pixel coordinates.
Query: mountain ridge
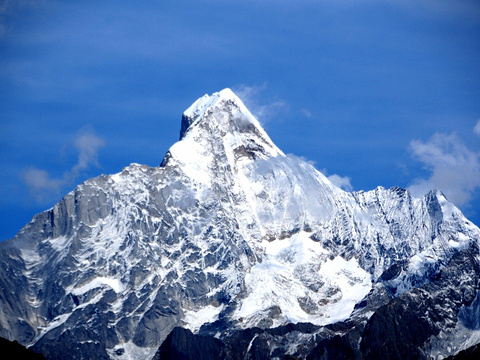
(227, 233)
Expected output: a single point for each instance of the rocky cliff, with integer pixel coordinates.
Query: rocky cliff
(233, 241)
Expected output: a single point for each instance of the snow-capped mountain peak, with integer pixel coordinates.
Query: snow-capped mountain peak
(228, 233)
(201, 105)
(219, 131)
(224, 114)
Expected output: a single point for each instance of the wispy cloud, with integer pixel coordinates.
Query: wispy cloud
(10, 7)
(455, 169)
(42, 185)
(254, 99)
(476, 129)
(343, 182)
(39, 181)
(87, 145)
(307, 113)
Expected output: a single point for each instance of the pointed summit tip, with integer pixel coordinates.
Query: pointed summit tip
(201, 105)
(221, 118)
(227, 93)
(206, 101)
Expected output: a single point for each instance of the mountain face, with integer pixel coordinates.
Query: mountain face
(231, 249)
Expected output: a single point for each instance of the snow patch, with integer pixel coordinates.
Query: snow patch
(201, 105)
(58, 243)
(30, 256)
(131, 351)
(285, 279)
(353, 282)
(194, 319)
(115, 284)
(116, 177)
(191, 160)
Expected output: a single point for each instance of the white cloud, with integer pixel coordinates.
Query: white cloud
(42, 185)
(343, 182)
(39, 180)
(302, 159)
(307, 113)
(455, 169)
(476, 129)
(263, 109)
(87, 144)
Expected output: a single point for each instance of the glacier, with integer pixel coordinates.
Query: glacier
(229, 234)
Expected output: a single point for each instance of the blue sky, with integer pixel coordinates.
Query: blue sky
(375, 93)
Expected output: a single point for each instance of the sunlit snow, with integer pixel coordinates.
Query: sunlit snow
(194, 319)
(229, 226)
(114, 284)
(283, 277)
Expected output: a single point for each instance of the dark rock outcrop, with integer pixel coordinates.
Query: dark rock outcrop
(181, 344)
(472, 353)
(402, 328)
(12, 350)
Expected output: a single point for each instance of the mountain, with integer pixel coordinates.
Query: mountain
(232, 247)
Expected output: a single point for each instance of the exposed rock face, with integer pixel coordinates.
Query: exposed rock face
(406, 327)
(232, 239)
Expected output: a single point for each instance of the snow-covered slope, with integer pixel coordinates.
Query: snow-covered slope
(228, 231)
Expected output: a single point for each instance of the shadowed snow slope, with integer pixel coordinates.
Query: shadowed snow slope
(228, 233)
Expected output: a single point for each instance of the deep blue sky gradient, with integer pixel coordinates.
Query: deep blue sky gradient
(346, 84)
